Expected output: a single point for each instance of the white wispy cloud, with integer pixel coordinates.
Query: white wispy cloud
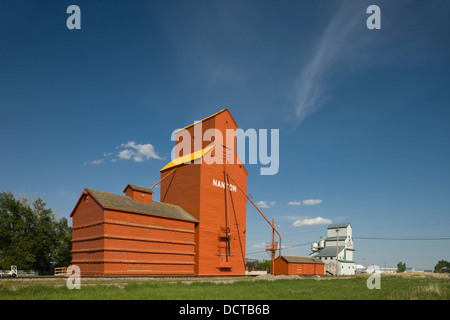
(263, 246)
(95, 162)
(331, 48)
(259, 246)
(129, 151)
(137, 152)
(311, 202)
(311, 222)
(306, 202)
(265, 204)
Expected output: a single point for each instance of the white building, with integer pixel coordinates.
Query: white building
(338, 242)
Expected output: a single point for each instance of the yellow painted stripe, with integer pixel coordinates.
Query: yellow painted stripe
(187, 158)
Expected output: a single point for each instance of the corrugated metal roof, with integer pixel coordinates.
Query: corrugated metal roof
(341, 238)
(297, 259)
(338, 225)
(329, 251)
(120, 202)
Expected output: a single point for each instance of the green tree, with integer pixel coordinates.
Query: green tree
(251, 263)
(16, 238)
(30, 236)
(401, 267)
(442, 266)
(44, 236)
(264, 265)
(62, 256)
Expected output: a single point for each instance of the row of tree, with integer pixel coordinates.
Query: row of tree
(258, 265)
(31, 237)
(441, 267)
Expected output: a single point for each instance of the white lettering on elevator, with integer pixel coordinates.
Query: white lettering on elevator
(221, 184)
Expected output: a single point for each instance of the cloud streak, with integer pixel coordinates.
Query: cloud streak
(265, 204)
(306, 202)
(95, 162)
(311, 202)
(331, 48)
(311, 222)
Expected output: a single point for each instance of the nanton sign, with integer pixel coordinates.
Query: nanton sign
(221, 184)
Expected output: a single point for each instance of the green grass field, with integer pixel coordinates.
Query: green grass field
(393, 287)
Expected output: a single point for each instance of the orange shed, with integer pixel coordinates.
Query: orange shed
(131, 235)
(299, 265)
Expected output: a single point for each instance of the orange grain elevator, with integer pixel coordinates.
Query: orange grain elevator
(205, 179)
(197, 228)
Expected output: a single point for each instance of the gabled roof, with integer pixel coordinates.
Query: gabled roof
(120, 202)
(297, 259)
(339, 225)
(186, 159)
(209, 117)
(138, 188)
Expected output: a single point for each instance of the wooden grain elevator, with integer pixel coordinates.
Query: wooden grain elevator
(206, 190)
(197, 228)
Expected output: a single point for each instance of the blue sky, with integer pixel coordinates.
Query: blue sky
(363, 114)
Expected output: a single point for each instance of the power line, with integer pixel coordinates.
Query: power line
(403, 239)
(366, 238)
(283, 248)
(298, 245)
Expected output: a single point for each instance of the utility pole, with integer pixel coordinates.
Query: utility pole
(273, 246)
(337, 250)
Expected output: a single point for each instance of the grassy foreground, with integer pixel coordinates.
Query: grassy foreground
(393, 287)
